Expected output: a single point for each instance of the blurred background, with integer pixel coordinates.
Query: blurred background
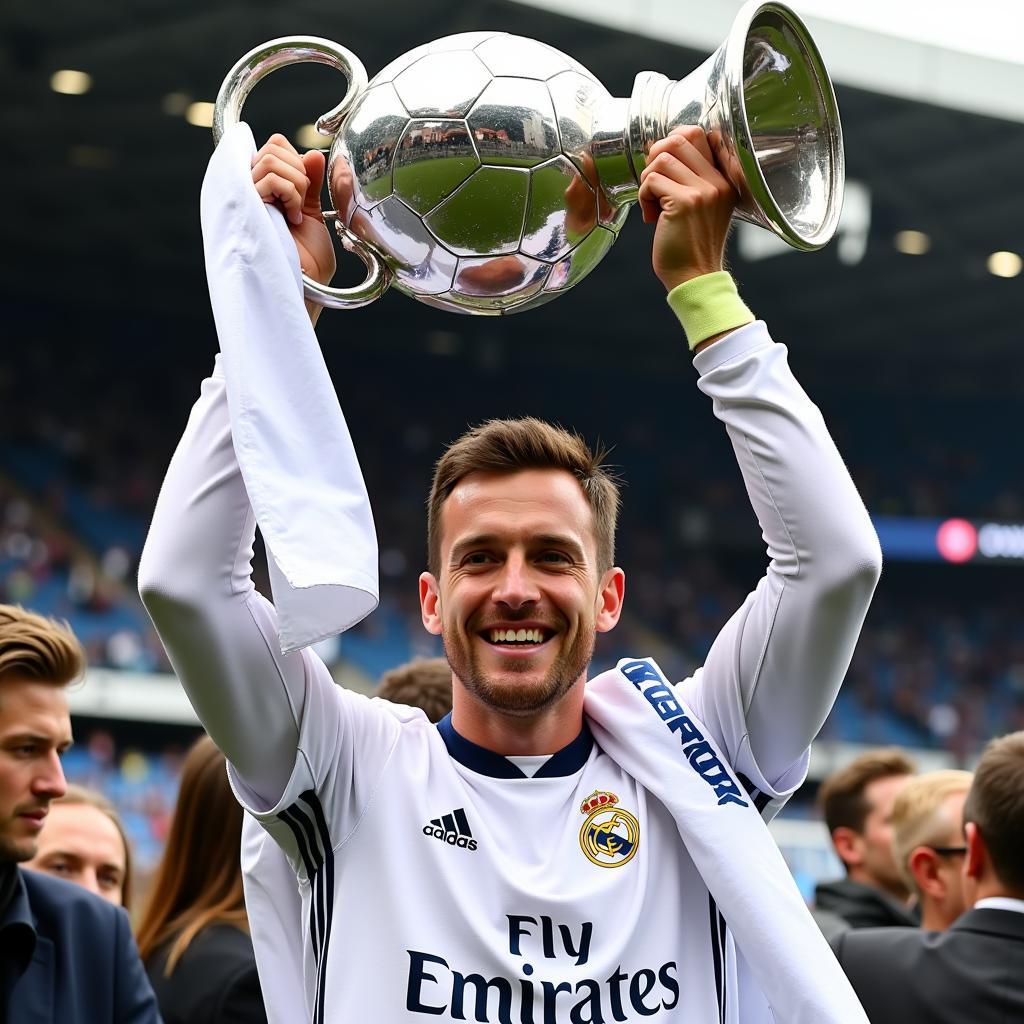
(907, 331)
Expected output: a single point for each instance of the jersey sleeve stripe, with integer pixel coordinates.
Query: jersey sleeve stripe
(308, 824)
(716, 953)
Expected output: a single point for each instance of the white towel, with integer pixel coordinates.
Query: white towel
(291, 439)
(641, 723)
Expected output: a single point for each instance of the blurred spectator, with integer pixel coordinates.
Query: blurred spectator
(194, 935)
(856, 803)
(928, 844)
(67, 955)
(974, 972)
(424, 683)
(84, 841)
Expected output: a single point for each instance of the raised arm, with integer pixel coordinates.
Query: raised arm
(774, 671)
(220, 634)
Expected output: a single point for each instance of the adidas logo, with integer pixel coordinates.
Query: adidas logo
(452, 829)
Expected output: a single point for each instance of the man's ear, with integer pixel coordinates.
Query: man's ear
(430, 603)
(849, 845)
(924, 866)
(977, 853)
(610, 596)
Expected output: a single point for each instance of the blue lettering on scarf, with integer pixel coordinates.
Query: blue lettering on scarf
(699, 753)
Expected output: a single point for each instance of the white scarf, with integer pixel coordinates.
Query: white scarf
(298, 464)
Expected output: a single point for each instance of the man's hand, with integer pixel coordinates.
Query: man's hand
(292, 183)
(690, 201)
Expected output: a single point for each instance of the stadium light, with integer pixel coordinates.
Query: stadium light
(70, 83)
(913, 243)
(200, 114)
(1005, 264)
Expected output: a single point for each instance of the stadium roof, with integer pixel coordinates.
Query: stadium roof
(102, 189)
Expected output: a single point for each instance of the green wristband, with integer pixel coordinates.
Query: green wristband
(708, 305)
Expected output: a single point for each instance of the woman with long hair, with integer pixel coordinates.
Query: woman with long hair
(194, 935)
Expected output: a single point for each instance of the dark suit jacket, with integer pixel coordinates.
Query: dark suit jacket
(81, 965)
(214, 982)
(971, 974)
(861, 906)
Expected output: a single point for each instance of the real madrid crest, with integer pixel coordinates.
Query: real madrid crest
(610, 835)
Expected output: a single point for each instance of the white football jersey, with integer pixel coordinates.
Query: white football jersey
(438, 880)
(467, 890)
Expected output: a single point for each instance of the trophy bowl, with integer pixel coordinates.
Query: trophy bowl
(489, 173)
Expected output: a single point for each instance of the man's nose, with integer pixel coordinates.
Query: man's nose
(50, 781)
(516, 585)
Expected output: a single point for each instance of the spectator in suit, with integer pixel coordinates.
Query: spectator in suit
(928, 842)
(84, 841)
(66, 956)
(973, 973)
(856, 803)
(194, 935)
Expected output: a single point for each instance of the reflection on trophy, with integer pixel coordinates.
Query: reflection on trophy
(489, 173)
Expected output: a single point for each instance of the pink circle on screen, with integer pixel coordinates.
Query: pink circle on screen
(957, 540)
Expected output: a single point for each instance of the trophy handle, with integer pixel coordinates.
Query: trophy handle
(239, 82)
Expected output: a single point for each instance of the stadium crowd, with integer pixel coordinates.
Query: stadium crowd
(943, 670)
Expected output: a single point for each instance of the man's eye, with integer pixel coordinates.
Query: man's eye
(108, 881)
(60, 867)
(554, 557)
(477, 558)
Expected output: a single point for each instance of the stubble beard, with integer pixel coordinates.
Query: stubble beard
(520, 698)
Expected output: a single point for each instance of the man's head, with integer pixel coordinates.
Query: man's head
(927, 828)
(994, 822)
(84, 841)
(38, 658)
(424, 683)
(857, 804)
(521, 541)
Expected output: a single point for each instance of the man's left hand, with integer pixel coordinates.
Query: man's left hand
(690, 201)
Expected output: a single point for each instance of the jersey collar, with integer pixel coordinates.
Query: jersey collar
(567, 761)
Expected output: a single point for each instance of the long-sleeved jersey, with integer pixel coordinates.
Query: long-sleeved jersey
(440, 880)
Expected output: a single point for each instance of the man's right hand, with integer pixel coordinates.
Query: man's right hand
(292, 182)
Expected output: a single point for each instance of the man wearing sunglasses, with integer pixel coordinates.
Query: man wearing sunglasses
(973, 973)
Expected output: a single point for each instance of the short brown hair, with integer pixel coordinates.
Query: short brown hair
(508, 446)
(919, 818)
(424, 683)
(996, 805)
(83, 795)
(841, 797)
(37, 648)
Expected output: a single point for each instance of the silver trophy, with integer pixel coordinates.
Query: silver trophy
(489, 173)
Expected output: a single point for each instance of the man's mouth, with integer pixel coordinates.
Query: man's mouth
(513, 637)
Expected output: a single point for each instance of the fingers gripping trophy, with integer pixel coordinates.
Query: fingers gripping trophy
(488, 173)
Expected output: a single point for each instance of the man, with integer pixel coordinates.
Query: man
(856, 803)
(927, 836)
(84, 841)
(67, 955)
(974, 971)
(500, 864)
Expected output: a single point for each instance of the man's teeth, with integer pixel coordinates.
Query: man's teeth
(504, 636)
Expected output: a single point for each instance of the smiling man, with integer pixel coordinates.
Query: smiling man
(502, 865)
(65, 954)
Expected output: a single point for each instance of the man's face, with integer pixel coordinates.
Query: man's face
(35, 729)
(519, 598)
(80, 843)
(950, 865)
(878, 861)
